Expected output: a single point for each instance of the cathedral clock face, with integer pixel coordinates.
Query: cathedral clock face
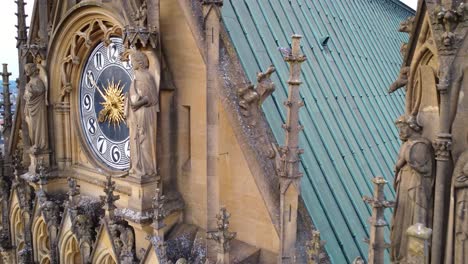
(104, 83)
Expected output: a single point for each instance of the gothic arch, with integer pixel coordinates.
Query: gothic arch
(70, 44)
(41, 241)
(105, 258)
(70, 250)
(17, 228)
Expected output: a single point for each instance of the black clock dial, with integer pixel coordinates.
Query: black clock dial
(104, 83)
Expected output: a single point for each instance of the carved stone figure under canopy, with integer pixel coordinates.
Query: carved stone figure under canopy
(458, 227)
(141, 110)
(35, 109)
(414, 177)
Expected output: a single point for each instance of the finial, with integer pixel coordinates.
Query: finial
(222, 236)
(158, 211)
(109, 199)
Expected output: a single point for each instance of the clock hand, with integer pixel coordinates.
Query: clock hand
(96, 86)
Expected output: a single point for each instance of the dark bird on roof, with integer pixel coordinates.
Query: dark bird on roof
(285, 51)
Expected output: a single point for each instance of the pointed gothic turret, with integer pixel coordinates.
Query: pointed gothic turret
(21, 27)
(288, 170)
(7, 116)
(21, 40)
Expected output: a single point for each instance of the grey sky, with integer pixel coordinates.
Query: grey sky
(8, 52)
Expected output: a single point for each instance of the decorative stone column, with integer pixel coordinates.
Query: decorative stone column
(211, 14)
(289, 160)
(377, 243)
(448, 35)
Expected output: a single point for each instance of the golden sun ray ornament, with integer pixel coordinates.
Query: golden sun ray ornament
(113, 105)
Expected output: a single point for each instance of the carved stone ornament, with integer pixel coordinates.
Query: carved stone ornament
(84, 35)
(35, 110)
(449, 20)
(250, 100)
(402, 80)
(83, 229)
(142, 104)
(407, 25)
(414, 178)
(51, 212)
(73, 193)
(141, 16)
(158, 209)
(109, 198)
(222, 236)
(141, 35)
(7, 256)
(443, 146)
(36, 51)
(124, 241)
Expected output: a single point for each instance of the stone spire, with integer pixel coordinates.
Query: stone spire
(21, 27)
(21, 40)
(109, 199)
(376, 241)
(222, 236)
(289, 160)
(7, 116)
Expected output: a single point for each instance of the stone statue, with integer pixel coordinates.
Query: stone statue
(141, 110)
(458, 226)
(414, 177)
(35, 110)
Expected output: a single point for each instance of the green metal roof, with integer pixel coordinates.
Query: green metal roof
(349, 134)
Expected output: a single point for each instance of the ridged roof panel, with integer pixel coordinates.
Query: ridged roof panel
(349, 135)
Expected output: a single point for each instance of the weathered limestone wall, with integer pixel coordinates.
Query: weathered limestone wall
(238, 191)
(240, 194)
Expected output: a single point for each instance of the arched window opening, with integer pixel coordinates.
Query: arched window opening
(70, 251)
(41, 241)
